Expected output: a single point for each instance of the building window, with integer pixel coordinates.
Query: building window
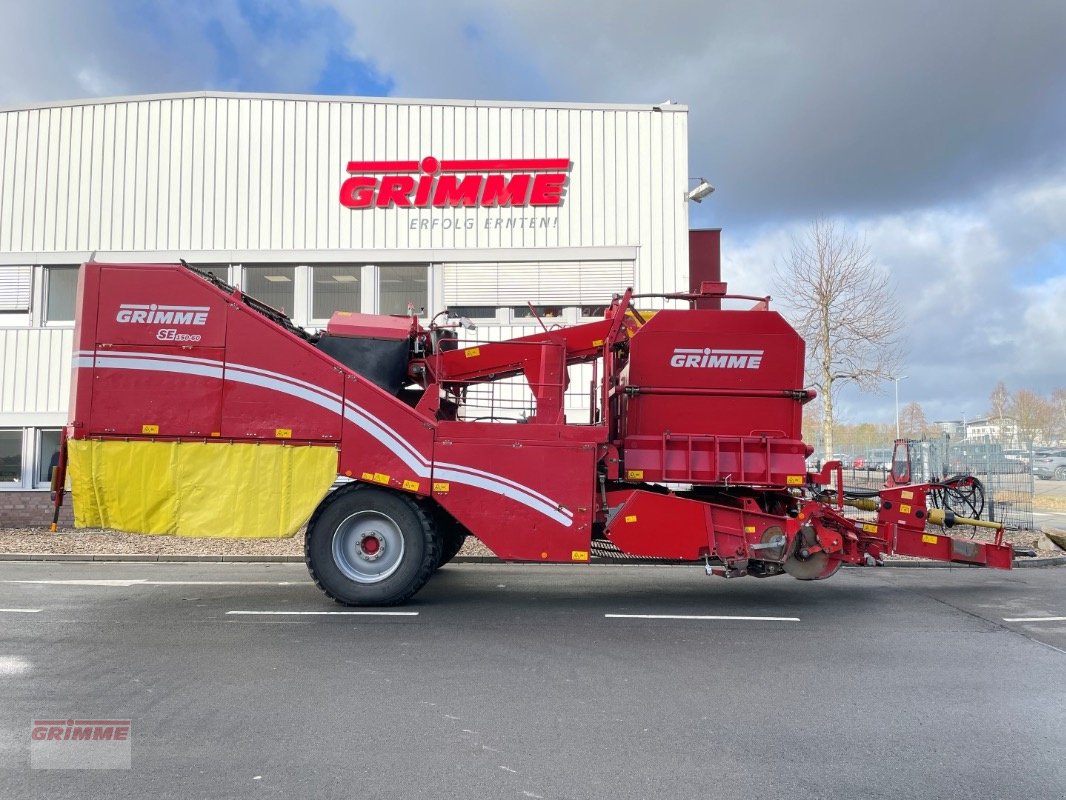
(525, 314)
(61, 285)
(10, 458)
(16, 283)
(399, 286)
(220, 271)
(335, 289)
(594, 312)
(47, 455)
(274, 285)
(473, 312)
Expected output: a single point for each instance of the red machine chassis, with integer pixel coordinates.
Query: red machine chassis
(693, 452)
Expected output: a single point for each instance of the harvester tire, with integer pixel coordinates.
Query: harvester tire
(371, 547)
(452, 539)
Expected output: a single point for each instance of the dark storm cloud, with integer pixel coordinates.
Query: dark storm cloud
(796, 108)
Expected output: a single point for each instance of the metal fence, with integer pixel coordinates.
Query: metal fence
(1006, 480)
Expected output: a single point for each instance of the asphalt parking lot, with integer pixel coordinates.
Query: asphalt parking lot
(532, 681)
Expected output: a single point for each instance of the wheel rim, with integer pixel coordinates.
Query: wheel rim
(368, 547)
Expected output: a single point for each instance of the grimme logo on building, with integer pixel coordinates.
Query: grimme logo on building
(705, 358)
(433, 183)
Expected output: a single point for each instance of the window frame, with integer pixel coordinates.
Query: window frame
(46, 288)
(38, 455)
(366, 283)
(427, 307)
(20, 483)
(294, 305)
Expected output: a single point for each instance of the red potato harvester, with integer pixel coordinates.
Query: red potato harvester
(199, 411)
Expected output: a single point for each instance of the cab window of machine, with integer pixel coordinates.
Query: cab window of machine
(403, 288)
(274, 285)
(336, 288)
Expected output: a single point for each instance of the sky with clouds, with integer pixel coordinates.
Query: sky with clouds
(937, 130)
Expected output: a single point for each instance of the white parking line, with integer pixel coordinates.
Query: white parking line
(327, 613)
(227, 583)
(126, 583)
(123, 583)
(1034, 619)
(20, 611)
(703, 616)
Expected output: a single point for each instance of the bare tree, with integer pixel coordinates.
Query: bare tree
(912, 421)
(1033, 415)
(1058, 400)
(999, 407)
(843, 305)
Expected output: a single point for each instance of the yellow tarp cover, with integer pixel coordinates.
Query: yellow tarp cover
(197, 488)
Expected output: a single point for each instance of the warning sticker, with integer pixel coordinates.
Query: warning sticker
(579, 555)
(631, 518)
(635, 474)
(149, 429)
(904, 509)
(928, 538)
(411, 486)
(794, 480)
(283, 433)
(472, 351)
(441, 486)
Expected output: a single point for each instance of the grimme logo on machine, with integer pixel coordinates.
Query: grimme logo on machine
(434, 183)
(153, 314)
(706, 358)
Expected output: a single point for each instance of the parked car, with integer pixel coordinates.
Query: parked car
(1050, 464)
(874, 459)
(983, 459)
(1021, 456)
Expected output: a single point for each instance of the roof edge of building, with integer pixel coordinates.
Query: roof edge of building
(667, 106)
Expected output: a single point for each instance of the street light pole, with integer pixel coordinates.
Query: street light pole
(896, 381)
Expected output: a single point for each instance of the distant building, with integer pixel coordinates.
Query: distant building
(955, 428)
(1003, 430)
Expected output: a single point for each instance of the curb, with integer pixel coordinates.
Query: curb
(1018, 563)
(1053, 561)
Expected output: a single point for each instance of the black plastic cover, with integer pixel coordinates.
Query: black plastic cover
(383, 361)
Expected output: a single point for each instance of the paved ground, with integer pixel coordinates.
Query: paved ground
(510, 682)
(1050, 519)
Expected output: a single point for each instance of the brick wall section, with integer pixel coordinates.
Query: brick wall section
(32, 510)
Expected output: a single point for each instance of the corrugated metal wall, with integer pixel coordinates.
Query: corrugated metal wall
(35, 370)
(248, 173)
(232, 176)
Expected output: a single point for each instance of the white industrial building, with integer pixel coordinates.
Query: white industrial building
(258, 189)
